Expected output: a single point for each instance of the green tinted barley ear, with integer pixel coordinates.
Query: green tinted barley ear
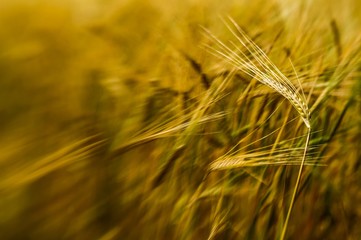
(255, 63)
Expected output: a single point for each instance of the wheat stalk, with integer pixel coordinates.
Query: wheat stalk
(260, 67)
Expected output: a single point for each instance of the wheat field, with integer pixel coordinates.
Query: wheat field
(195, 119)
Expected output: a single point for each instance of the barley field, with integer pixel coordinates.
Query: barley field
(194, 119)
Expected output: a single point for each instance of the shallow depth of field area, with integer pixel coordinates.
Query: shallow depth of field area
(123, 119)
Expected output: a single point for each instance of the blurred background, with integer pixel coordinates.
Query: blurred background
(111, 112)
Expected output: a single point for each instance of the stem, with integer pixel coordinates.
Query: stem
(296, 187)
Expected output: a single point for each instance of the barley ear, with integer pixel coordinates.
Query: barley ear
(260, 67)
